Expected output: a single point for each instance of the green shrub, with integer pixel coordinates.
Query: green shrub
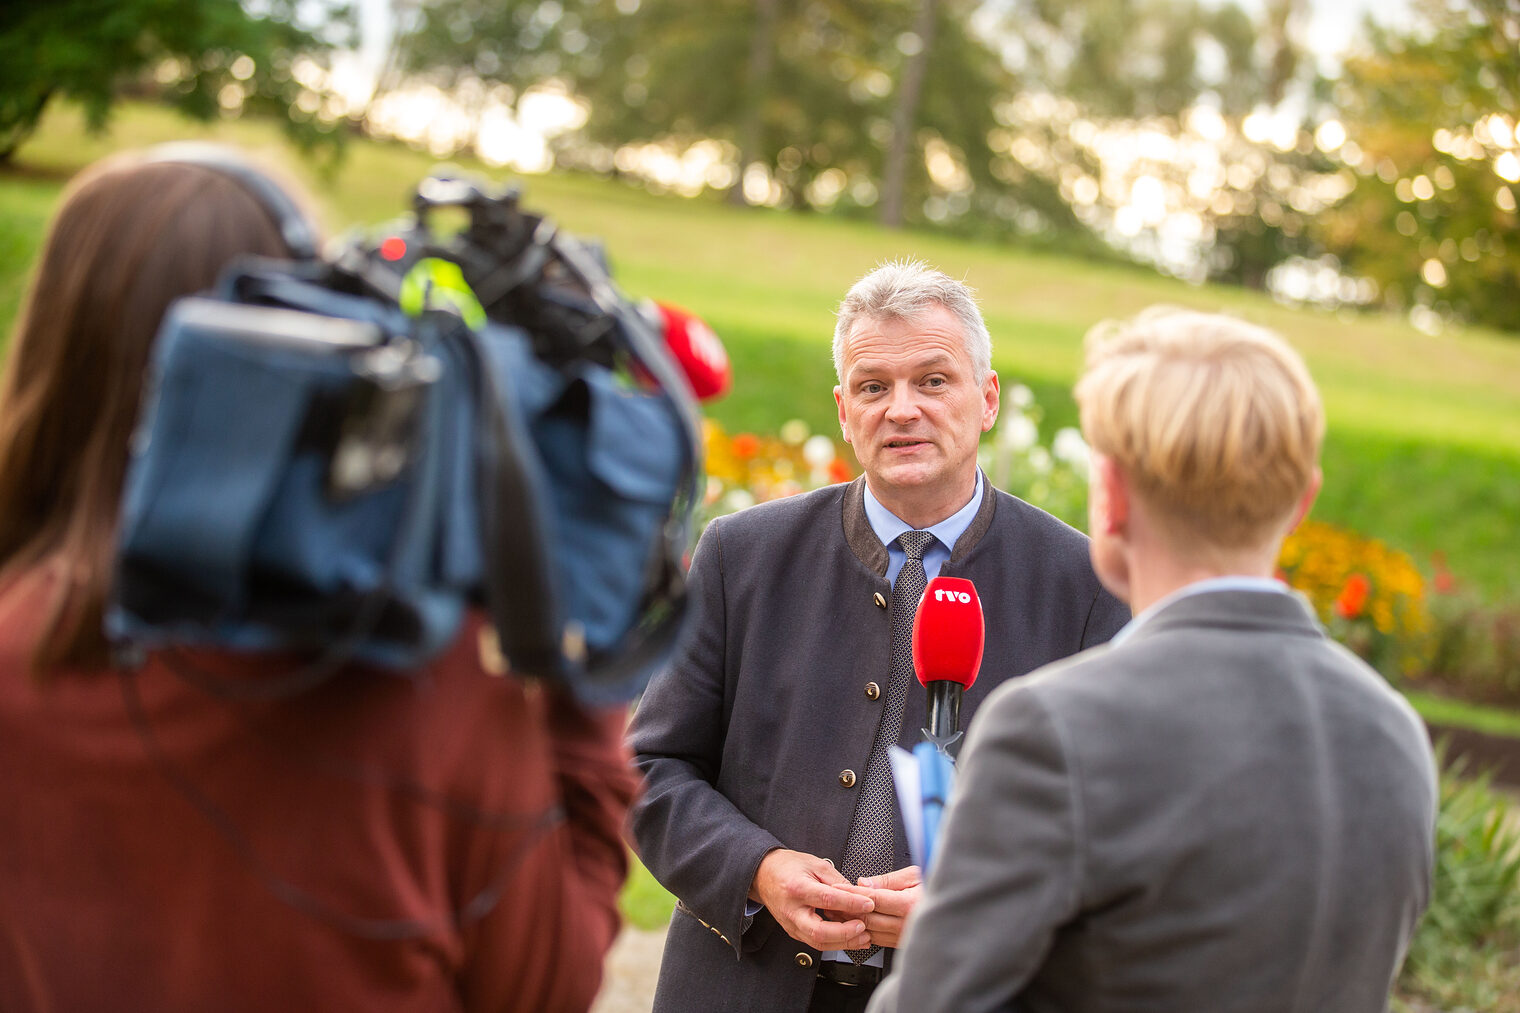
(1475, 648)
(1466, 953)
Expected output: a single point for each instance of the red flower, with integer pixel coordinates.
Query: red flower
(746, 445)
(839, 471)
(1353, 597)
(1443, 582)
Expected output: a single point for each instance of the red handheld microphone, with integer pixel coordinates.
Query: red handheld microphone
(697, 350)
(949, 635)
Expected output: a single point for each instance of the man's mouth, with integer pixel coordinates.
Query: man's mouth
(897, 444)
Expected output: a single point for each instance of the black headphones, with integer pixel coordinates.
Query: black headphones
(295, 230)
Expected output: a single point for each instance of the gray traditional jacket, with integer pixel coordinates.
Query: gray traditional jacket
(755, 737)
(1225, 813)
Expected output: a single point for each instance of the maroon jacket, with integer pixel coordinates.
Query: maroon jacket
(377, 797)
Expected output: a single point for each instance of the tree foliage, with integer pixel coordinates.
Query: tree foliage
(89, 50)
(1145, 58)
(515, 43)
(1430, 114)
(816, 111)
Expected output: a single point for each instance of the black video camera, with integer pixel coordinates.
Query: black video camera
(341, 455)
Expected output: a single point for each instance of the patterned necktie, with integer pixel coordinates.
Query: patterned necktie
(871, 848)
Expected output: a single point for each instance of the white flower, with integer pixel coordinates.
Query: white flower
(1017, 433)
(1039, 460)
(739, 499)
(1068, 446)
(794, 432)
(818, 451)
(1019, 396)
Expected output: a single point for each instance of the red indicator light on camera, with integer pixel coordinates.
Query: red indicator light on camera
(393, 248)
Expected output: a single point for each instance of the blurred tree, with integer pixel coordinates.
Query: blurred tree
(684, 73)
(207, 56)
(951, 81)
(916, 47)
(1124, 97)
(1144, 58)
(773, 78)
(1429, 116)
(805, 91)
(762, 55)
(515, 43)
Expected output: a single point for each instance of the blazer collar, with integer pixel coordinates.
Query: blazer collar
(868, 548)
(1259, 611)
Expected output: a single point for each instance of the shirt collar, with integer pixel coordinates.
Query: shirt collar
(1230, 583)
(888, 525)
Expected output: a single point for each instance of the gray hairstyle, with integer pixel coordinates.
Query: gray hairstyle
(902, 290)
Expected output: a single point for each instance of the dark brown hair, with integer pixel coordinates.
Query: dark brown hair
(130, 237)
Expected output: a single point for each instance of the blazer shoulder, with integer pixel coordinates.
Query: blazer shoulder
(764, 522)
(1050, 683)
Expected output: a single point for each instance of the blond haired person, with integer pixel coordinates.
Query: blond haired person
(1221, 811)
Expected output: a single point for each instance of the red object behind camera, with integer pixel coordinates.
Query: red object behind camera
(697, 350)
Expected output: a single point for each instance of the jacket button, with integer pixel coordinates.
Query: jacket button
(804, 960)
(847, 778)
(881, 602)
(872, 691)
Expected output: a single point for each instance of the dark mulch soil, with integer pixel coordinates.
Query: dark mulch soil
(1482, 752)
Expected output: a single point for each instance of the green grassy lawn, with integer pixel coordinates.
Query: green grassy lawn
(644, 902)
(1424, 442)
(1443, 710)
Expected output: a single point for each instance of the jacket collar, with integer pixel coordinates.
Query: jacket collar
(1258, 611)
(868, 548)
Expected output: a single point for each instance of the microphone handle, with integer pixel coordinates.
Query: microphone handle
(944, 709)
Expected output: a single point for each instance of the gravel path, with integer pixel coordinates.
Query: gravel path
(629, 975)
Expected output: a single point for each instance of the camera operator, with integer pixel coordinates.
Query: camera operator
(443, 839)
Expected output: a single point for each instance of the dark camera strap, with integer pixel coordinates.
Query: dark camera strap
(520, 598)
(520, 603)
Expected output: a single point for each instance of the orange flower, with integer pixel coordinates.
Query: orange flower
(746, 445)
(839, 471)
(1353, 597)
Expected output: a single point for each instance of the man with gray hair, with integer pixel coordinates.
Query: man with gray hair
(769, 809)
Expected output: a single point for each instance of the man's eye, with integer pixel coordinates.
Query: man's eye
(935, 381)
(872, 388)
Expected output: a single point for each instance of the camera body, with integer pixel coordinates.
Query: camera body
(340, 456)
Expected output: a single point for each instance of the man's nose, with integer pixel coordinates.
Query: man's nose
(902, 405)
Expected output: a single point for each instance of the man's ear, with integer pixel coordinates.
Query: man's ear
(1107, 497)
(990, 401)
(844, 426)
(1307, 499)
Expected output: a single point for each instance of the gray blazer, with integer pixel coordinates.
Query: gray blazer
(744, 742)
(1224, 813)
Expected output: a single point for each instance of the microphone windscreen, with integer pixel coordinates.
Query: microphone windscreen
(948, 632)
(698, 351)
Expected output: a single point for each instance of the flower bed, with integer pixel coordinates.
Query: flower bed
(1369, 596)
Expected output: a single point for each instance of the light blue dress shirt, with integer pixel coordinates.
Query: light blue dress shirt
(888, 526)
